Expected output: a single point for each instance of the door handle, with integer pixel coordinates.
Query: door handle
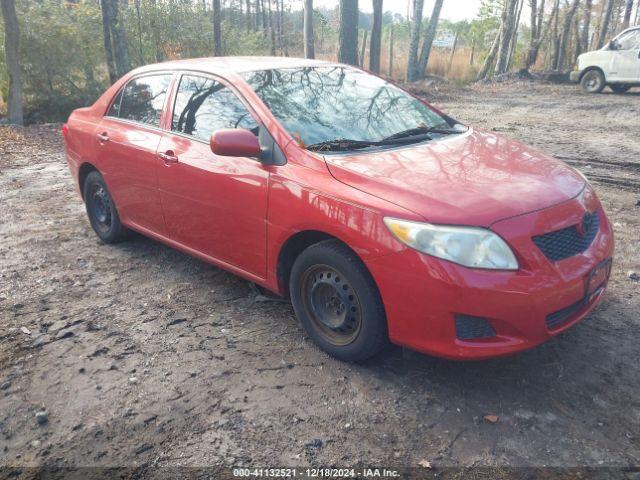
(168, 157)
(103, 137)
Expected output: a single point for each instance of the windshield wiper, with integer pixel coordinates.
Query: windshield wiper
(420, 131)
(341, 144)
(412, 135)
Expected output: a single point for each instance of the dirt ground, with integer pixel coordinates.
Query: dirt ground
(143, 357)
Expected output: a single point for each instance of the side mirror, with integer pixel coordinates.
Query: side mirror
(613, 45)
(234, 142)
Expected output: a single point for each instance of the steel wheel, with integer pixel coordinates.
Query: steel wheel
(102, 210)
(593, 81)
(100, 205)
(331, 304)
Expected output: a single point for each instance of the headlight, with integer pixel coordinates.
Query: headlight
(468, 246)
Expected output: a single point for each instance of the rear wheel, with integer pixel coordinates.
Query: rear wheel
(617, 88)
(337, 302)
(593, 81)
(101, 210)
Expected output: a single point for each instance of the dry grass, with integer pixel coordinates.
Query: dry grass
(440, 63)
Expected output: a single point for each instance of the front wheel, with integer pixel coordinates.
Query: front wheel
(617, 88)
(593, 81)
(337, 302)
(101, 210)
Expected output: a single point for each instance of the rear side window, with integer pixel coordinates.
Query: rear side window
(143, 99)
(204, 106)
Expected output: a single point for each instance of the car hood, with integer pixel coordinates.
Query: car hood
(594, 57)
(476, 178)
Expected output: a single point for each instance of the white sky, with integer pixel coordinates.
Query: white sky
(453, 10)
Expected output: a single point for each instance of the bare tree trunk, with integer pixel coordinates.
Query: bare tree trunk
(453, 51)
(586, 26)
(12, 60)
(535, 32)
(604, 25)
(363, 47)
(491, 56)
(139, 18)
(536, 40)
(108, 49)
(390, 60)
(429, 37)
(566, 32)
(616, 16)
(508, 29)
(514, 38)
(348, 35)
(279, 23)
(472, 56)
(309, 47)
(119, 38)
(414, 44)
(577, 41)
(376, 37)
(628, 8)
(282, 33)
(272, 31)
(555, 39)
(249, 19)
(217, 31)
(265, 20)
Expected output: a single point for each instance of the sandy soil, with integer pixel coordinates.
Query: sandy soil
(144, 357)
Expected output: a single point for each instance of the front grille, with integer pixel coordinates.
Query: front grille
(561, 317)
(569, 241)
(473, 328)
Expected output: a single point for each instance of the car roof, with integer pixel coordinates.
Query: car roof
(226, 65)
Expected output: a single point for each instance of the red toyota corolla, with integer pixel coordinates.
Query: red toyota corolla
(382, 218)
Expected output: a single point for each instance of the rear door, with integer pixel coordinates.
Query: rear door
(216, 205)
(128, 138)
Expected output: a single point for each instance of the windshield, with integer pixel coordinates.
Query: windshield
(321, 104)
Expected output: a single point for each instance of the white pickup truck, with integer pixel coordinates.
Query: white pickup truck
(617, 65)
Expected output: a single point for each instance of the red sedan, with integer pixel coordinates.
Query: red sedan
(382, 218)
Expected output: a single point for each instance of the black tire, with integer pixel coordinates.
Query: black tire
(593, 81)
(337, 302)
(617, 88)
(101, 210)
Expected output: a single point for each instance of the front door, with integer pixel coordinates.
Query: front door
(128, 138)
(216, 205)
(627, 57)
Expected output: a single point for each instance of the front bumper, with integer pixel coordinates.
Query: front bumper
(575, 76)
(422, 294)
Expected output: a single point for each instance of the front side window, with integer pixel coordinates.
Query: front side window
(320, 104)
(629, 40)
(143, 99)
(204, 106)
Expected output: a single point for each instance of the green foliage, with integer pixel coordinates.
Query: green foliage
(59, 48)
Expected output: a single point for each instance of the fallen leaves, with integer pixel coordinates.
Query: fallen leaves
(491, 418)
(425, 464)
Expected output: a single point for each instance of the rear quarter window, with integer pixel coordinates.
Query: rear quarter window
(114, 110)
(143, 99)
